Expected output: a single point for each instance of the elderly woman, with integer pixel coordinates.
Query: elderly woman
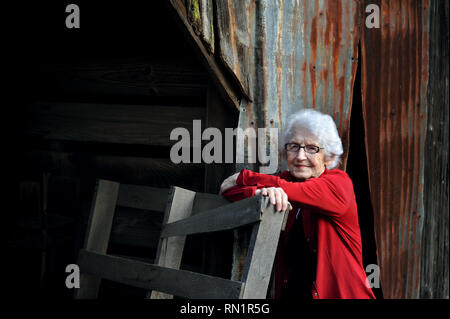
(319, 254)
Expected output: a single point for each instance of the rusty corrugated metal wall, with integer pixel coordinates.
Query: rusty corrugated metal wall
(282, 56)
(394, 88)
(298, 54)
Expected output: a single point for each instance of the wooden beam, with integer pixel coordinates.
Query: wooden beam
(134, 77)
(218, 116)
(226, 217)
(131, 170)
(109, 123)
(98, 232)
(225, 88)
(233, 29)
(262, 250)
(152, 277)
(170, 250)
(216, 246)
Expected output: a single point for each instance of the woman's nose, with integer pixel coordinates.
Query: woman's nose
(301, 154)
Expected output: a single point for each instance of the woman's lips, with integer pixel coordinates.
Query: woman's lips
(301, 166)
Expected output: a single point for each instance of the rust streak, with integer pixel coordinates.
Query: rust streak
(312, 68)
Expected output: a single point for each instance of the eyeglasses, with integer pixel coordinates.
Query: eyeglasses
(295, 148)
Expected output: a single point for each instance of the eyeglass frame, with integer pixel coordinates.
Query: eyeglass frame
(304, 148)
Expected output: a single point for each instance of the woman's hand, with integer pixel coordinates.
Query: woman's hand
(277, 197)
(228, 183)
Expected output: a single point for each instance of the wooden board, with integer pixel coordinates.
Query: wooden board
(218, 115)
(262, 250)
(170, 250)
(434, 273)
(234, 38)
(109, 123)
(98, 232)
(138, 274)
(137, 77)
(227, 217)
(124, 169)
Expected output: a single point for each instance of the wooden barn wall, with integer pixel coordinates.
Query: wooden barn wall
(395, 75)
(102, 110)
(434, 279)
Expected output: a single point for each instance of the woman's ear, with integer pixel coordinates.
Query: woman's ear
(330, 161)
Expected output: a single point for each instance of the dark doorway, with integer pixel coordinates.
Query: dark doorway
(358, 172)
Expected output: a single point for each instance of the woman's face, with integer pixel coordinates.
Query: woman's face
(303, 165)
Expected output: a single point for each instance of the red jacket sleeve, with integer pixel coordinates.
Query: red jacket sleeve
(330, 194)
(238, 192)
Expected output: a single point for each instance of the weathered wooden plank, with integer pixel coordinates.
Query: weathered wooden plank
(224, 86)
(207, 29)
(216, 246)
(226, 217)
(139, 274)
(135, 77)
(220, 117)
(434, 274)
(101, 218)
(234, 41)
(98, 232)
(170, 250)
(262, 250)
(131, 170)
(193, 15)
(109, 123)
(200, 16)
(143, 197)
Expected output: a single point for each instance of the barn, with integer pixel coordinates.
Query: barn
(100, 102)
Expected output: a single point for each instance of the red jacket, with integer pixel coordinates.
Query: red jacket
(331, 227)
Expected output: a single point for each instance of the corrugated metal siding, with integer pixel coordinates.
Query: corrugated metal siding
(302, 54)
(286, 55)
(394, 85)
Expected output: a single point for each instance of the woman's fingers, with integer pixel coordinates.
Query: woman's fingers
(271, 194)
(279, 200)
(277, 197)
(285, 202)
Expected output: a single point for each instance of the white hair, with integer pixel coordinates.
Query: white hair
(309, 123)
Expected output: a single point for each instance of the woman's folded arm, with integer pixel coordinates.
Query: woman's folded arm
(330, 194)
